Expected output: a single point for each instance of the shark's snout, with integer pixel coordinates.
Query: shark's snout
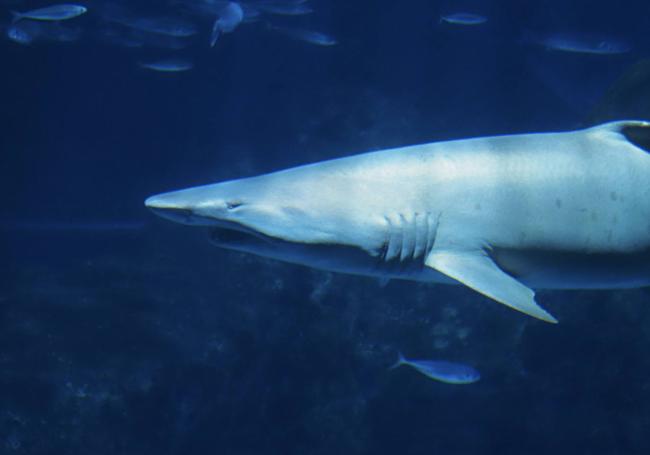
(174, 208)
(182, 216)
(222, 215)
(159, 202)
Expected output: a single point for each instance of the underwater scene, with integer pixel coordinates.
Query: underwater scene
(274, 227)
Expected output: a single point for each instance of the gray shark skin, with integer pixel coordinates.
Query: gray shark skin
(502, 215)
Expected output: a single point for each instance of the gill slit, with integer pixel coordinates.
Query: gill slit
(407, 239)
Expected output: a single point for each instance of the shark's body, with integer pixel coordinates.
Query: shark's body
(502, 215)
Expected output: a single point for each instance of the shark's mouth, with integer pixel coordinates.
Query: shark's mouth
(236, 236)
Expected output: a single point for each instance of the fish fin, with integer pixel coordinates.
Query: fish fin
(400, 361)
(216, 32)
(476, 270)
(636, 132)
(619, 126)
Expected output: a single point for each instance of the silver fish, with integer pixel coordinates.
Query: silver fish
(26, 32)
(51, 13)
(581, 43)
(168, 66)
(20, 35)
(308, 36)
(463, 19)
(440, 370)
(229, 18)
(160, 25)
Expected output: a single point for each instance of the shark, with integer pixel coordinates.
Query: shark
(503, 215)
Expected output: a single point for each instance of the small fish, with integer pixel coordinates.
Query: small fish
(440, 370)
(308, 36)
(581, 43)
(51, 13)
(168, 66)
(160, 25)
(229, 18)
(26, 32)
(20, 35)
(463, 19)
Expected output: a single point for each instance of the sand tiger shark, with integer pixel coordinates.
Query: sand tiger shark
(502, 215)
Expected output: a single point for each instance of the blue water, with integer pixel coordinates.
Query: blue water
(121, 333)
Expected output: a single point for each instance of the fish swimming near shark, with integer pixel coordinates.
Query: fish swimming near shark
(502, 215)
(440, 370)
(51, 13)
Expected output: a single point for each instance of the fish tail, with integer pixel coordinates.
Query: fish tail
(15, 16)
(400, 361)
(216, 32)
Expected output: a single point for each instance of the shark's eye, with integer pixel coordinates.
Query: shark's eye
(232, 205)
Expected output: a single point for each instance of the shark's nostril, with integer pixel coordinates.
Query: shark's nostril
(232, 205)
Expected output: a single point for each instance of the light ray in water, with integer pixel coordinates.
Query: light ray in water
(96, 226)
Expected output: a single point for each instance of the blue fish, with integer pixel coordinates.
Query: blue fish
(166, 26)
(440, 370)
(579, 43)
(463, 19)
(308, 36)
(168, 66)
(51, 13)
(227, 21)
(26, 32)
(598, 46)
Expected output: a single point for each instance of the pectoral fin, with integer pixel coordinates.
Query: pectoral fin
(476, 270)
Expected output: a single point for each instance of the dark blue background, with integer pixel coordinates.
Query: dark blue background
(149, 340)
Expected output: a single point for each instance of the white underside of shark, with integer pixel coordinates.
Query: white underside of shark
(502, 215)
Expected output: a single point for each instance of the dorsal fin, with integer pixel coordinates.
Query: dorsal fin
(638, 133)
(635, 131)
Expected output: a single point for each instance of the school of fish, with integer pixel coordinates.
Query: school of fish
(173, 28)
(178, 25)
